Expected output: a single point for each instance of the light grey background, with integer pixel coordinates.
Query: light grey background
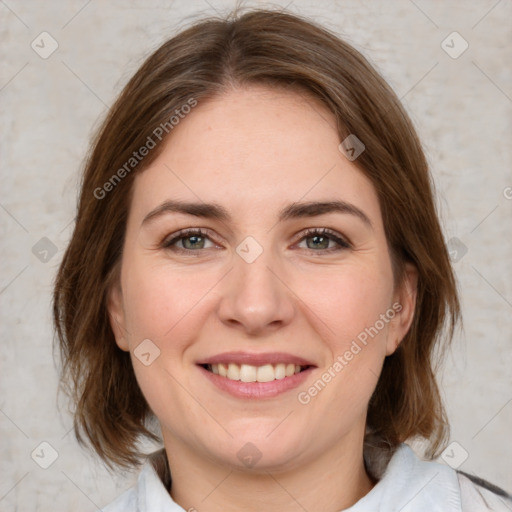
(49, 108)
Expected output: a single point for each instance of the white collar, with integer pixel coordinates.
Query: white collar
(409, 484)
(406, 484)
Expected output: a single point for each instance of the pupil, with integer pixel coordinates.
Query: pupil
(194, 240)
(316, 238)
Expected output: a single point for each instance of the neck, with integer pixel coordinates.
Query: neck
(332, 482)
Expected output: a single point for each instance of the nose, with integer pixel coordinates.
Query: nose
(255, 296)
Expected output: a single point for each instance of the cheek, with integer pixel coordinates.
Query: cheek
(162, 301)
(352, 311)
(167, 306)
(347, 302)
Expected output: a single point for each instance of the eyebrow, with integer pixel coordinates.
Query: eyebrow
(292, 211)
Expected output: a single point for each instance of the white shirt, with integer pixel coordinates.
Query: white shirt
(406, 484)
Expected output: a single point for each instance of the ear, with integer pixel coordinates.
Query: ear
(117, 316)
(404, 305)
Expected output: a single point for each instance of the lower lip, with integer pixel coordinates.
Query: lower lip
(257, 390)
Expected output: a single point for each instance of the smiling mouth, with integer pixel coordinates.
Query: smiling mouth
(250, 373)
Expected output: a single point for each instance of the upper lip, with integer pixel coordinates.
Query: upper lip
(255, 359)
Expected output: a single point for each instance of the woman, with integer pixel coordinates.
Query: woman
(257, 263)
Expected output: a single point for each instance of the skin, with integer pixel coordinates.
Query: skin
(254, 151)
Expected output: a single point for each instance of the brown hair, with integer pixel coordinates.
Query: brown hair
(277, 49)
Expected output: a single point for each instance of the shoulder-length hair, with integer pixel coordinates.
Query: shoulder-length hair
(275, 49)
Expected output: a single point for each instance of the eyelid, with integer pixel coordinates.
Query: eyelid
(341, 240)
(169, 240)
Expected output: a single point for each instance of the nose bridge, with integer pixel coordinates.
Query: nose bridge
(255, 298)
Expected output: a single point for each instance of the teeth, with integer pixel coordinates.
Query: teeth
(266, 373)
(223, 370)
(233, 372)
(280, 371)
(249, 373)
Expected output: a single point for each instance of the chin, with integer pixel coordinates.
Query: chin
(259, 452)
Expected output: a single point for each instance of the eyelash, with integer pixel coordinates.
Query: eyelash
(309, 233)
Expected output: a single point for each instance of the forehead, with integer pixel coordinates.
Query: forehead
(254, 149)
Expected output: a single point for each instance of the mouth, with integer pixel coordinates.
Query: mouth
(255, 376)
(249, 373)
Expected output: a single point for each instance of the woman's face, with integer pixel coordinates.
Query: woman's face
(255, 295)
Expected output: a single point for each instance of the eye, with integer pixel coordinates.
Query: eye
(322, 239)
(195, 239)
(189, 239)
